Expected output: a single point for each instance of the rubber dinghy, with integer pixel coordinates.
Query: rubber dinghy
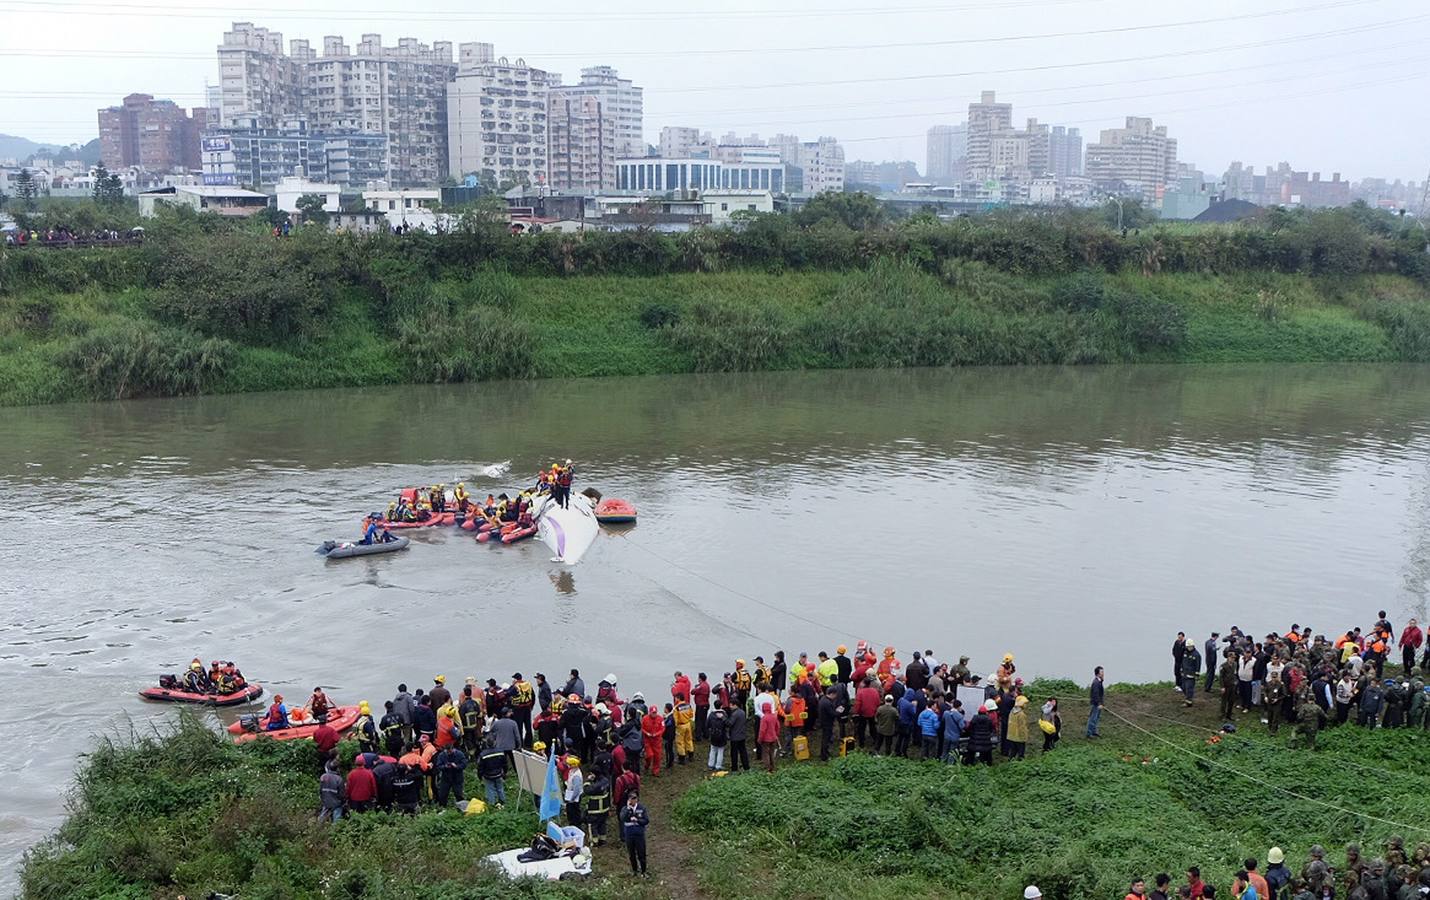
(568, 532)
(343, 550)
(245, 694)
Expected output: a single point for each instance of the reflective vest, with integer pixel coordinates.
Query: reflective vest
(366, 731)
(393, 727)
(524, 695)
(598, 804)
(796, 711)
(471, 714)
(762, 674)
(742, 680)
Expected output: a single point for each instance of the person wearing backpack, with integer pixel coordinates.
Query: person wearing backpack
(717, 732)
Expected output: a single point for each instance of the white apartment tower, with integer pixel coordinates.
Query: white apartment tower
(677, 142)
(497, 118)
(820, 162)
(582, 143)
(397, 92)
(621, 102)
(1139, 159)
(986, 119)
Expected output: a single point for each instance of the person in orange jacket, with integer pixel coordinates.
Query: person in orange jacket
(652, 733)
(448, 732)
(889, 666)
(680, 687)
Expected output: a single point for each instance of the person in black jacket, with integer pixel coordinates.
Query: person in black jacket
(980, 737)
(1179, 647)
(1095, 695)
(779, 672)
(830, 710)
(739, 752)
(634, 821)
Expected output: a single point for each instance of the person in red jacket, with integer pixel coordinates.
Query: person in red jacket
(325, 738)
(362, 787)
(866, 706)
(652, 731)
(680, 688)
(700, 696)
(1410, 640)
(627, 781)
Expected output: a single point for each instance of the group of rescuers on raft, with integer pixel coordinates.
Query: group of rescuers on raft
(429, 738)
(498, 510)
(221, 678)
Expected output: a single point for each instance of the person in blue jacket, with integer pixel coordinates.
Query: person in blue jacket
(908, 718)
(952, 731)
(929, 723)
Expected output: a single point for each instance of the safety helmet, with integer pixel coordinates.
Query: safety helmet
(364, 708)
(841, 649)
(196, 666)
(739, 664)
(440, 679)
(573, 760)
(538, 746)
(1007, 657)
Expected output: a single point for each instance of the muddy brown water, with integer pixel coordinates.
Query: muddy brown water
(1070, 516)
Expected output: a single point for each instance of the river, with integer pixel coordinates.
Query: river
(1070, 516)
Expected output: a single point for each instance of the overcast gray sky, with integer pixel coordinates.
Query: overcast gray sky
(1328, 85)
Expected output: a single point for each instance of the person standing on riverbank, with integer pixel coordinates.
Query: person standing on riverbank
(1191, 667)
(1410, 640)
(1095, 695)
(634, 821)
(1179, 649)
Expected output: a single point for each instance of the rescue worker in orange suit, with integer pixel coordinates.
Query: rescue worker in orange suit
(889, 667)
(652, 733)
(565, 474)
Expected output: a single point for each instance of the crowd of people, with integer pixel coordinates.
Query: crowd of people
(1310, 681)
(221, 677)
(64, 236)
(604, 744)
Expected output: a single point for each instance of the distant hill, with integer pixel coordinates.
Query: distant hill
(24, 149)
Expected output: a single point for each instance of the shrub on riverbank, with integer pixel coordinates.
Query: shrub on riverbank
(246, 311)
(187, 812)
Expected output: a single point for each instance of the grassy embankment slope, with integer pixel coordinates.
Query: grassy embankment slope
(189, 814)
(197, 312)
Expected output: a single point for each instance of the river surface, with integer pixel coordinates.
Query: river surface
(1070, 516)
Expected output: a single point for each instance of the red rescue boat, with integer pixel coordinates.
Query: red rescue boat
(340, 720)
(246, 694)
(614, 511)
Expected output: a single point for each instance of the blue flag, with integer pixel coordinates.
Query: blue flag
(551, 791)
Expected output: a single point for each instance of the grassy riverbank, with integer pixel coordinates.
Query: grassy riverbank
(197, 311)
(188, 813)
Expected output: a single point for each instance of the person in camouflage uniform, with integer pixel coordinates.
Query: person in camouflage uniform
(1309, 719)
(1226, 676)
(1315, 873)
(1272, 695)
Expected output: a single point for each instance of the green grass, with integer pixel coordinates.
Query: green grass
(888, 314)
(186, 812)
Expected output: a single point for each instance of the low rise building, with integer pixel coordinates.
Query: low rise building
(225, 201)
(290, 190)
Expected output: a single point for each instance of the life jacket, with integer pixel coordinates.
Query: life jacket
(762, 674)
(275, 714)
(365, 730)
(524, 697)
(797, 712)
(563, 477)
(742, 680)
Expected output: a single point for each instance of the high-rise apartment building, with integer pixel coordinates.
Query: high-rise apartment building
(947, 153)
(986, 118)
(1065, 151)
(1138, 159)
(821, 162)
(497, 118)
(398, 92)
(677, 142)
(260, 152)
(621, 101)
(582, 143)
(156, 135)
